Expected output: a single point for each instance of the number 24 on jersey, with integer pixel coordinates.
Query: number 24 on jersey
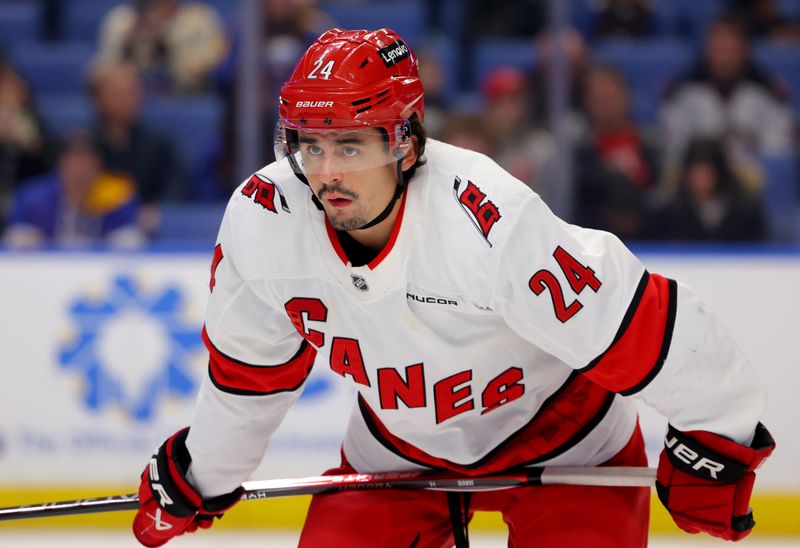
(578, 276)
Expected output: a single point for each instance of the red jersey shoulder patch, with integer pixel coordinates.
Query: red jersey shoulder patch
(263, 191)
(482, 212)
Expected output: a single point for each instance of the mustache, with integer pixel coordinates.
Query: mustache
(339, 189)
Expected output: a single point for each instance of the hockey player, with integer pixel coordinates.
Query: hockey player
(482, 333)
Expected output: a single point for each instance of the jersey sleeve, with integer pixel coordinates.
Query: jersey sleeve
(582, 296)
(258, 364)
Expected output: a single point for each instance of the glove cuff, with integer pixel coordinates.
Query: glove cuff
(178, 460)
(165, 475)
(697, 459)
(750, 456)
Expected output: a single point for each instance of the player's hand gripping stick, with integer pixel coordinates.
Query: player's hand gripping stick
(168, 505)
(705, 481)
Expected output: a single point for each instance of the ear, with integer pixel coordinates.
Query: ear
(411, 155)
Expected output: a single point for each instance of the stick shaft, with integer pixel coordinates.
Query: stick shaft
(71, 507)
(255, 490)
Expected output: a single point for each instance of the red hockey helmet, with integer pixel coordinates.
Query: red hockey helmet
(351, 80)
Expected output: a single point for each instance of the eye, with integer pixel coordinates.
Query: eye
(350, 151)
(314, 150)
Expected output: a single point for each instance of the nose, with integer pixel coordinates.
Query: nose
(330, 170)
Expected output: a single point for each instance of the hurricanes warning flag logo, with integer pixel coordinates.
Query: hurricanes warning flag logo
(480, 210)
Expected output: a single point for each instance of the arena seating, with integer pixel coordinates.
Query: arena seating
(783, 61)
(57, 70)
(53, 67)
(406, 17)
(19, 21)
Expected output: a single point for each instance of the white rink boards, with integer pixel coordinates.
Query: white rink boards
(102, 357)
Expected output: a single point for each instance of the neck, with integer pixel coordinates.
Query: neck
(117, 132)
(376, 237)
(75, 197)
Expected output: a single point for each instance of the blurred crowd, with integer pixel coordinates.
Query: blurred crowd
(700, 152)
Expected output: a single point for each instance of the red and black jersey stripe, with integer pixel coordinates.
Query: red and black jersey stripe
(642, 342)
(236, 377)
(563, 420)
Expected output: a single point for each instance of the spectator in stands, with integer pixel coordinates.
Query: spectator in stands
(128, 145)
(287, 29)
(726, 95)
(431, 74)
(615, 164)
(764, 19)
(174, 44)
(523, 150)
(467, 131)
(25, 150)
(623, 19)
(710, 203)
(578, 60)
(496, 19)
(505, 18)
(77, 204)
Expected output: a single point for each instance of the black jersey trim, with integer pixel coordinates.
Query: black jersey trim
(672, 308)
(366, 413)
(242, 392)
(580, 435)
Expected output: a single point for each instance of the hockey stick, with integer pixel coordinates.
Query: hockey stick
(444, 481)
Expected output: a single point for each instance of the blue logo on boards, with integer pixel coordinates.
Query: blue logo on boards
(132, 348)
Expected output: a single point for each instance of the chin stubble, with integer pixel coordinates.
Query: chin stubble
(342, 224)
(347, 224)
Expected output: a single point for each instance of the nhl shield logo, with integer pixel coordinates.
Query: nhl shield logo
(359, 282)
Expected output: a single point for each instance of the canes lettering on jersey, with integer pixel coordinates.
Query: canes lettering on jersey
(452, 395)
(394, 389)
(347, 359)
(503, 389)
(300, 308)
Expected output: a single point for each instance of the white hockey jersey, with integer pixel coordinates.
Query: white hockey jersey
(487, 334)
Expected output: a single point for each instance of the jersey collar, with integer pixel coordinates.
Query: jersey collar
(385, 270)
(337, 245)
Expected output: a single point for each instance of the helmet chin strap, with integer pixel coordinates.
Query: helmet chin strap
(382, 215)
(398, 191)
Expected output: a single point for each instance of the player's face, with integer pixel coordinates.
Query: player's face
(352, 174)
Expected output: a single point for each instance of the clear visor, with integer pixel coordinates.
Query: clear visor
(336, 151)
